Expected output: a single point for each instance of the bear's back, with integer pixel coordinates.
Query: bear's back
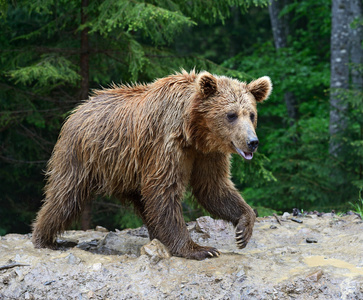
(120, 131)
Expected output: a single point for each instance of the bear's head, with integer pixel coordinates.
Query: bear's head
(223, 117)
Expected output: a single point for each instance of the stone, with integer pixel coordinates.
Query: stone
(328, 215)
(311, 216)
(97, 267)
(123, 242)
(155, 250)
(285, 215)
(101, 229)
(207, 225)
(67, 243)
(315, 276)
(72, 259)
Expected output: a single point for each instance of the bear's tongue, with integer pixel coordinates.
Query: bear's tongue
(245, 155)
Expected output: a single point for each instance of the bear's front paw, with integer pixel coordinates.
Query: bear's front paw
(244, 230)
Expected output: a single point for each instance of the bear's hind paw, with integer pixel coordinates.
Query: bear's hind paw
(201, 253)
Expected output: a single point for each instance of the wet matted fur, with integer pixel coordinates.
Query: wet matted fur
(145, 144)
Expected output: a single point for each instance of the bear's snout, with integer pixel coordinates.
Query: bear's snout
(252, 144)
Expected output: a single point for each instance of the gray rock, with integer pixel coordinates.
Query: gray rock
(209, 226)
(123, 242)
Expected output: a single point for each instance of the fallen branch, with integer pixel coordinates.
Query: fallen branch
(12, 265)
(277, 219)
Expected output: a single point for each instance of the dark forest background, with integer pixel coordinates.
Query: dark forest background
(54, 52)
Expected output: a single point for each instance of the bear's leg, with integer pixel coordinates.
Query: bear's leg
(215, 191)
(136, 199)
(62, 206)
(164, 219)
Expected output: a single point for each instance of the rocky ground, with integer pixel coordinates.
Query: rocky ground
(310, 257)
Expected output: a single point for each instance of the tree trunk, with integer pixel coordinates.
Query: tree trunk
(279, 25)
(356, 58)
(356, 39)
(86, 216)
(280, 30)
(339, 80)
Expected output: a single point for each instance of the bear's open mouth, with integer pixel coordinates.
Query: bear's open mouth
(245, 155)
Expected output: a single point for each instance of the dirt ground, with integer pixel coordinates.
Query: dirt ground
(320, 258)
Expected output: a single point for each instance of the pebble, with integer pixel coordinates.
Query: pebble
(68, 243)
(273, 227)
(311, 216)
(28, 296)
(20, 274)
(296, 220)
(241, 273)
(315, 276)
(72, 259)
(101, 229)
(97, 266)
(328, 215)
(91, 295)
(311, 240)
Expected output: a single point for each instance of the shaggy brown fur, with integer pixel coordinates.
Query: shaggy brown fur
(146, 143)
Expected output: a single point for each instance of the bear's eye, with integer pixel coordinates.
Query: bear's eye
(252, 117)
(232, 117)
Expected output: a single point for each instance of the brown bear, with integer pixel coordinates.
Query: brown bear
(145, 144)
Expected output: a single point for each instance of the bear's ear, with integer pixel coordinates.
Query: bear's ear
(207, 84)
(260, 88)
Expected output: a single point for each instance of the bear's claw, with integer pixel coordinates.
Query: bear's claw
(214, 253)
(203, 252)
(241, 242)
(244, 231)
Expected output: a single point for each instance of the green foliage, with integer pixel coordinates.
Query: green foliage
(3, 10)
(358, 205)
(351, 161)
(217, 10)
(265, 211)
(113, 215)
(49, 70)
(154, 21)
(240, 32)
(191, 209)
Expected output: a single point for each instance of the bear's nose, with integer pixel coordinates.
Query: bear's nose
(252, 144)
